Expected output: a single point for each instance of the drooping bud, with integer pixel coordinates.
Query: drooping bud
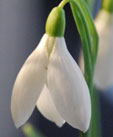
(55, 25)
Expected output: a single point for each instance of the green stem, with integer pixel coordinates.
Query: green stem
(95, 128)
(63, 3)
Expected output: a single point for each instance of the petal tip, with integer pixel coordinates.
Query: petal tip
(84, 128)
(17, 125)
(18, 121)
(60, 124)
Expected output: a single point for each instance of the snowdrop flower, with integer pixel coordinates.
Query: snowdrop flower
(51, 80)
(103, 77)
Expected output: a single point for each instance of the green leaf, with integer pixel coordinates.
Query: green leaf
(88, 34)
(83, 30)
(92, 29)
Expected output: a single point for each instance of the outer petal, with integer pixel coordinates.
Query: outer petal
(29, 83)
(104, 67)
(46, 106)
(68, 87)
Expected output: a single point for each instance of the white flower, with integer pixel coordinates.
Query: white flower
(51, 79)
(103, 77)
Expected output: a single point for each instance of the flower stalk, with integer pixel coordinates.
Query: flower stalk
(63, 3)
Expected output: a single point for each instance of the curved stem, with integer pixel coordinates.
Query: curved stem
(63, 3)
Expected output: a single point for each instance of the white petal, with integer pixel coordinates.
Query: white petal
(68, 88)
(104, 67)
(29, 83)
(47, 108)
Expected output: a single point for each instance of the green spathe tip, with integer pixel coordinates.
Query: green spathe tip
(55, 25)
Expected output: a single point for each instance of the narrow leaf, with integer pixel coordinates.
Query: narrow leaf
(83, 30)
(92, 29)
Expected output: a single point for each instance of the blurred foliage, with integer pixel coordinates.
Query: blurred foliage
(107, 5)
(31, 131)
(91, 5)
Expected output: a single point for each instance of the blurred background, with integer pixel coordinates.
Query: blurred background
(22, 24)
